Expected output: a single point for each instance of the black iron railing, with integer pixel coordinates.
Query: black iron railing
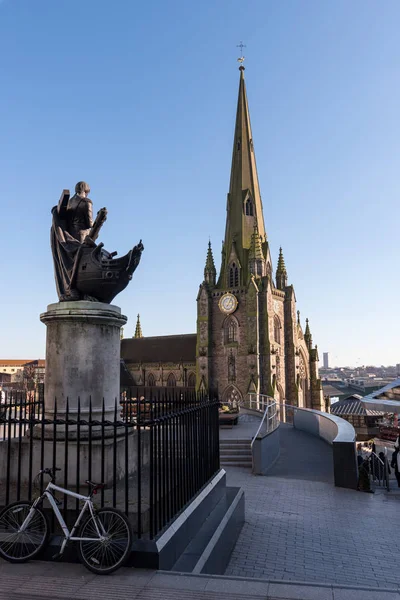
(156, 449)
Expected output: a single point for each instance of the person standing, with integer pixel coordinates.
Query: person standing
(395, 463)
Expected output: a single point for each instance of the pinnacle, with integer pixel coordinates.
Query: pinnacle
(210, 272)
(138, 330)
(255, 251)
(281, 269)
(307, 331)
(210, 266)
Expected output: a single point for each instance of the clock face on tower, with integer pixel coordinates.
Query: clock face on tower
(228, 303)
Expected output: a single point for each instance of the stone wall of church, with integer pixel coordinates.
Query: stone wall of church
(232, 363)
(163, 374)
(290, 348)
(277, 327)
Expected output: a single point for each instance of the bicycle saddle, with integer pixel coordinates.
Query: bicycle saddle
(95, 486)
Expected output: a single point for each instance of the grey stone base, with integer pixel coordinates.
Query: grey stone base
(106, 465)
(202, 537)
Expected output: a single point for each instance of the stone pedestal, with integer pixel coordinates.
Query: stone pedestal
(82, 358)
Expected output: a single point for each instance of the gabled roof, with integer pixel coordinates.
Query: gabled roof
(353, 405)
(167, 348)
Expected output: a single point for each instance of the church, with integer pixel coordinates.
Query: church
(249, 338)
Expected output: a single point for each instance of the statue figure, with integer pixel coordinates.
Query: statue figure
(231, 367)
(79, 212)
(84, 270)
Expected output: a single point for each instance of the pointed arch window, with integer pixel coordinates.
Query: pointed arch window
(249, 208)
(171, 380)
(191, 380)
(233, 275)
(230, 332)
(151, 380)
(277, 330)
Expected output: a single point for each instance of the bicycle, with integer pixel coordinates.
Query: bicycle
(104, 539)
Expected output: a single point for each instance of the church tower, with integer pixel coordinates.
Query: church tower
(248, 338)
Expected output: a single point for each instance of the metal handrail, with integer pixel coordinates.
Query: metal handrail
(270, 404)
(384, 466)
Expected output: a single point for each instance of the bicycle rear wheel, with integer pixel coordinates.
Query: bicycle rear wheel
(18, 546)
(107, 555)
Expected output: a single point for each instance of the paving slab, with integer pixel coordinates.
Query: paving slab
(352, 594)
(236, 586)
(299, 592)
(166, 580)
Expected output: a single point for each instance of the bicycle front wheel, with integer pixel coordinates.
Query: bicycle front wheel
(18, 546)
(106, 554)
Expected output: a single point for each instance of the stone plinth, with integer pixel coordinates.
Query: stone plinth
(82, 358)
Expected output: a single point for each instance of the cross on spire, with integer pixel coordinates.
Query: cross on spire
(241, 58)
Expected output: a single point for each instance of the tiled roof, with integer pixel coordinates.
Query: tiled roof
(167, 348)
(19, 362)
(353, 406)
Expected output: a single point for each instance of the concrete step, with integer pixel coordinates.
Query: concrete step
(235, 457)
(247, 465)
(241, 451)
(210, 549)
(236, 446)
(243, 442)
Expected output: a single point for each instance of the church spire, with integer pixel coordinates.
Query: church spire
(138, 330)
(244, 207)
(281, 273)
(210, 273)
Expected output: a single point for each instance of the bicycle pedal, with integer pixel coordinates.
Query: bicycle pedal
(56, 556)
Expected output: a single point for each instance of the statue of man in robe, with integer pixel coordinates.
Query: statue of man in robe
(72, 223)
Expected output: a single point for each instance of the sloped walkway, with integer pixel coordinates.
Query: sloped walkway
(302, 456)
(299, 527)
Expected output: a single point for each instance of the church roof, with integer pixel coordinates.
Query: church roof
(166, 348)
(126, 379)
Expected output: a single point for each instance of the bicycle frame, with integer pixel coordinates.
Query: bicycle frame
(68, 535)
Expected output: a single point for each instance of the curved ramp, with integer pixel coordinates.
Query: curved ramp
(303, 456)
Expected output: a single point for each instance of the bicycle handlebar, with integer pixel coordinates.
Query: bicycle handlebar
(50, 472)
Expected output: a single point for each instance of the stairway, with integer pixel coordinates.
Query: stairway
(235, 453)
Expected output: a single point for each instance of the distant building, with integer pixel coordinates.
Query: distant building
(326, 360)
(16, 368)
(5, 378)
(365, 420)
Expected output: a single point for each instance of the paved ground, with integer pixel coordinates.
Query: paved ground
(245, 430)
(303, 539)
(300, 527)
(60, 581)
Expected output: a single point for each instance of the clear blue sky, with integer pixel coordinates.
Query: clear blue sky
(139, 99)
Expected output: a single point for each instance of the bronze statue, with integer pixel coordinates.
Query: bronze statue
(84, 270)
